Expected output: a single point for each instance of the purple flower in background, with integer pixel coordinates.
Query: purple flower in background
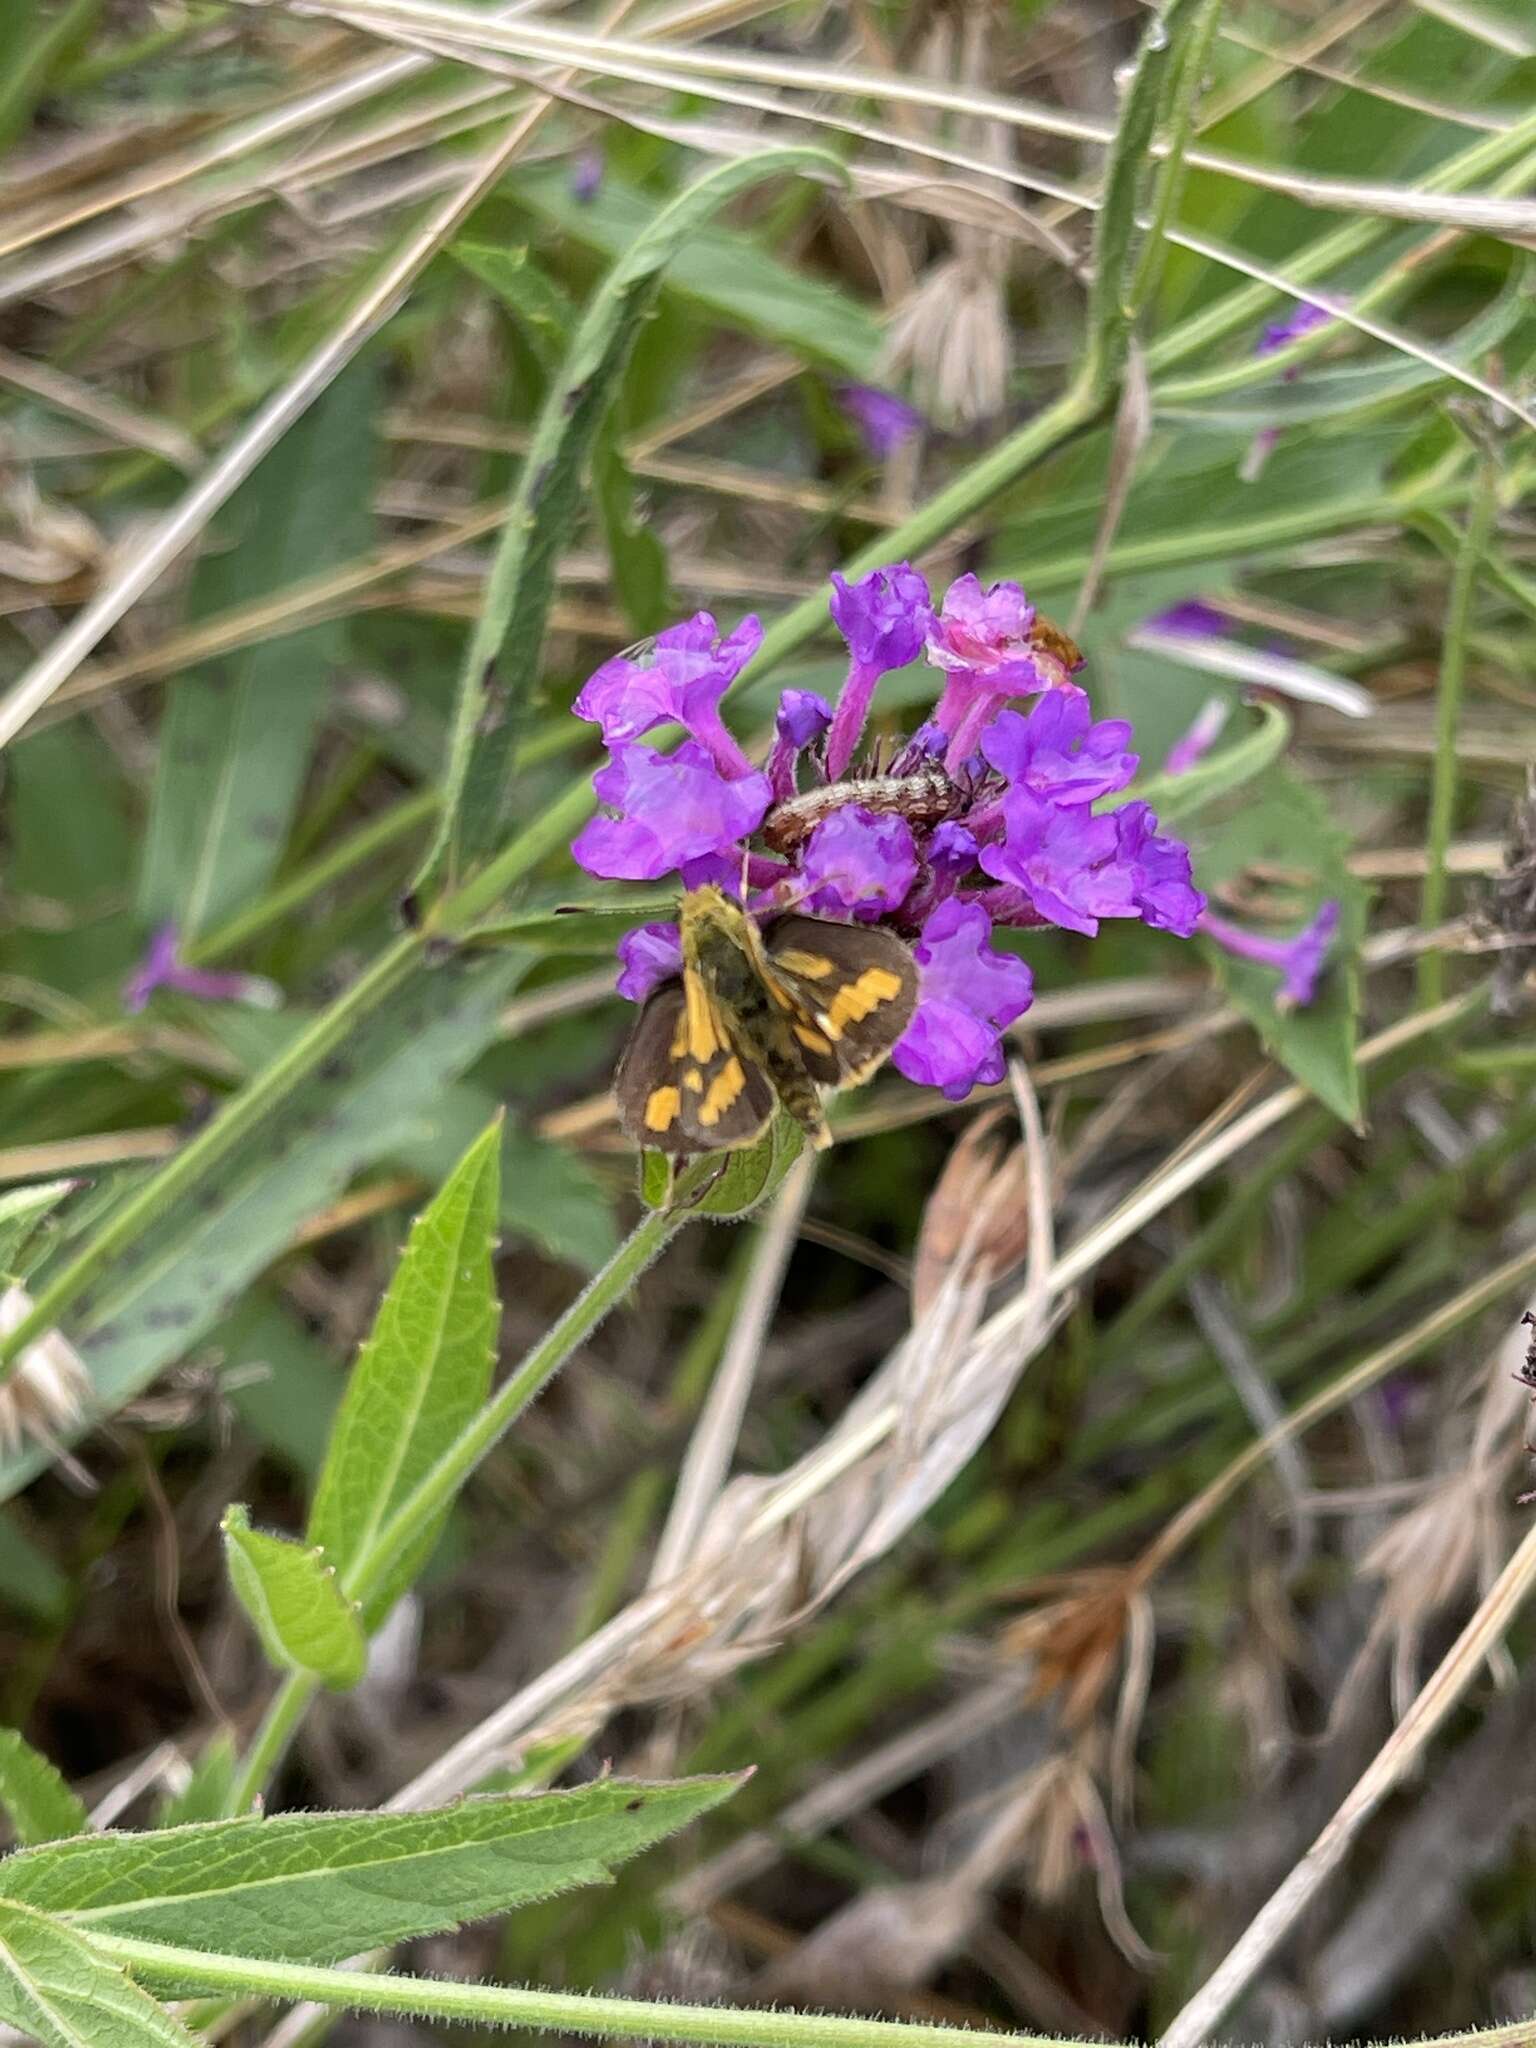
(802, 718)
(1203, 732)
(1058, 751)
(672, 808)
(859, 864)
(587, 176)
(162, 967)
(1299, 959)
(687, 672)
(885, 421)
(651, 954)
(968, 996)
(884, 618)
(1304, 318)
(1006, 833)
(1192, 618)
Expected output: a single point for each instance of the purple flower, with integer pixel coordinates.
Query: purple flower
(885, 421)
(1192, 618)
(1074, 868)
(688, 671)
(1203, 733)
(860, 863)
(802, 718)
(162, 967)
(884, 618)
(673, 808)
(1058, 751)
(1300, 959)
(587, 176)
(1304, 318)
(969, 994)
(952, 849)
(986, 632)
(651, 955)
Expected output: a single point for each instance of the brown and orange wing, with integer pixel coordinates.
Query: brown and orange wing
(852, 991)
(681, 1085)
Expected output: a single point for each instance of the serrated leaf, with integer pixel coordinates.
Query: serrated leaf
(502, 656)
(305, 1621)
(1226, 769)
(1285, 823)
(57, 1991)
(236, 741)
(723, 1185)
(420, 1376)
(312, 1887)
(39, 1804)
(21, 1210)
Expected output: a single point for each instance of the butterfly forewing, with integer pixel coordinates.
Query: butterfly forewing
(851, 990)
(682, 1086)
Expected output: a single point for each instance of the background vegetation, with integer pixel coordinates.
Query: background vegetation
(1123, 1620)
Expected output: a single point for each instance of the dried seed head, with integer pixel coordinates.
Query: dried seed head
(979, 1209)
(1076, 1639)
(952, 336)
(46, 1393)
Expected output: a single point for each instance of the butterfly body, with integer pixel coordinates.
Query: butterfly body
(760, 1019)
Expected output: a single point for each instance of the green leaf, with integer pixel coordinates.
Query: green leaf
(305, 1621)
(501, 662)
(640, 574)
(723, 1185)
(726, 273)
(317, 1129)
(30, 1582)
(1181, 796)
(1288, 824)
(311, 1887)
(21, 1210)
(419, 1378)
(58, 1992)
(538, 305)
(235, 746)
(40, 1805)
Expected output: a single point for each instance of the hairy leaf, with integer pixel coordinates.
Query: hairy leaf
(420, 1376)
(57, 1991)
(310, 1887)
(305, 1621)
(40, 1805)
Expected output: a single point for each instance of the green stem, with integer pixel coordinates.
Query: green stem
(1185, 94)
(435, 1491)
(497, 2005)
(284, 1713)
(1442, 783)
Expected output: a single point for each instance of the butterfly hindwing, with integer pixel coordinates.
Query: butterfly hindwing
(682, 1086)
(851, 990)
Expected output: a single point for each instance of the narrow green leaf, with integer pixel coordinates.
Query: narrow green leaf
(420, 1376)
(40, 1805)
(57, 1991)
(501, 660)
(1286, 823)
(21, 1210)
(237, 737)
(726, 273)
(310, 1887)
(1181, 796)
(538, 305)
(640, 574)
(305, 1621)
(323, 1118)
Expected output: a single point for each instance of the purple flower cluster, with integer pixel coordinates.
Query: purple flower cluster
(984, 817)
